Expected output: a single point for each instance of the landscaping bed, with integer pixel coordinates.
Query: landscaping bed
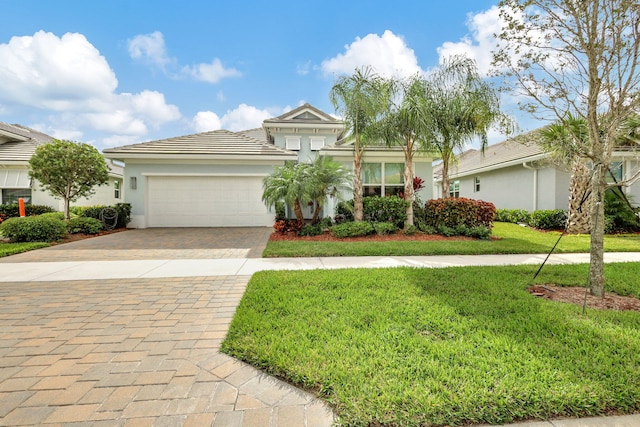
(396, 237)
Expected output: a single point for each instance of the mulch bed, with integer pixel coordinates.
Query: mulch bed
(397, 237)
(575, 295)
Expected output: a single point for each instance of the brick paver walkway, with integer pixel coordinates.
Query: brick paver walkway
(135, 352)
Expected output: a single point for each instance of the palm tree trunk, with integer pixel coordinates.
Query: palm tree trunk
(579, 213)
(445, 174)
(358, 208)
(297, 209)
(408, 184)
(596, 267)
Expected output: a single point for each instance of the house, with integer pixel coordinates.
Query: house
(17, 145)
(214, 179)
(519, 174)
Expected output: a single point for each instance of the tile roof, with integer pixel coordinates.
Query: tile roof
(18, 143)
(522, 148)
(221, 143)
(291, 115)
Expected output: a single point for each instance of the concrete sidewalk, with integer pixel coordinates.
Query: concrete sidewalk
(161, 268)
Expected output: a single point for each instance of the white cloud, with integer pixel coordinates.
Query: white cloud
(303, 68)
(48, 72)
(69, 79)
(205, 121)
(118, 140)
(242, 118)
(210, 73)
(388, 54)
(149, 48)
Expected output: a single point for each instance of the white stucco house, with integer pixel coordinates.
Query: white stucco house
(214, 179)
(17, 145)
(519, 174)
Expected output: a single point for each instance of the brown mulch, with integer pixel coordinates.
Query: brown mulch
(397, 237)
(575, 295)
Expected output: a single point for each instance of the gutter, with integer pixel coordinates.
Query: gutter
(535, 183)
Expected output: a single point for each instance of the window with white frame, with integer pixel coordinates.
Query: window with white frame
(317, 142)
(383, 179)
(116, 189)
(292, 143)
(11, 195)
(476, 184)
(454, 189)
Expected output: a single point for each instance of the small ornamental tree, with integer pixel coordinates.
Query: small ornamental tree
(68, 170)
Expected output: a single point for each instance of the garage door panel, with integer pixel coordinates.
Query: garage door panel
(206, 202)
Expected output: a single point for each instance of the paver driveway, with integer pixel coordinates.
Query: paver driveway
(134, 352)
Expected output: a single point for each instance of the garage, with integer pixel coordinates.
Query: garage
(206, 201)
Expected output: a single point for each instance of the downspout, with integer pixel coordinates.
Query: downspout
(535, 184)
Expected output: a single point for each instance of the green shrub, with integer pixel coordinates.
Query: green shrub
(410, 230)
(57, 215)
(123, 211)
(552, 219)
(352, 229)
(311, 230)
(325, 222)
(455, 211)
(446, 231)
(33, 229)
(391, 209)
(514, 216)
(619, 217)
(12, 210)
(281, 211)
(288, 225)
(84, 225)
(384, 228)
(427, 229)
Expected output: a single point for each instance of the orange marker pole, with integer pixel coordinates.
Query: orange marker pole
(21, 207)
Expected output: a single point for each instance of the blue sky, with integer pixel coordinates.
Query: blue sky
(118, 72)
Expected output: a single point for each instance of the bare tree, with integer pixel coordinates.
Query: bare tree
(580, 58)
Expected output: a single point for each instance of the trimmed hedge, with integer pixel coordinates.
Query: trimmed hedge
(391, 209)
(123, 210)
(33, 229)
(12, 210)
(551, 219)
(514, 216)
(384, 228)
(311, 230)
(352, 229)
(456, 211)
(82, 224)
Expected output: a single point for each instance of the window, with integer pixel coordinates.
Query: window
(292, 142)
(454, 189)
(116, 188)
(476, 184)
(616, 170)
(11, 195)
(383, 179)
(317, 142)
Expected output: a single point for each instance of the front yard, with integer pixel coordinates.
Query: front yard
(421, 347)
(511, 239)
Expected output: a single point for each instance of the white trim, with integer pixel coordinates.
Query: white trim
(317, 142)
(292, 143)
(201, 174)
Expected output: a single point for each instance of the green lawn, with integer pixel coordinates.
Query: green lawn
(420, 347)
(513, 239)
(7, 249)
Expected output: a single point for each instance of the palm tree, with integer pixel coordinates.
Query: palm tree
(288, 183)
(562, 141)
(462, 107)
(326, 178)
(406, 124)
(360, 99)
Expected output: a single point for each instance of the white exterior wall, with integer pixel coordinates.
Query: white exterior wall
(104, 195)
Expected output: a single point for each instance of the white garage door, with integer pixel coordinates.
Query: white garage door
(205, 201)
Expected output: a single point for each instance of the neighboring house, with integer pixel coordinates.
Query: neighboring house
(519, 174)
(17, 145)
(214, 179)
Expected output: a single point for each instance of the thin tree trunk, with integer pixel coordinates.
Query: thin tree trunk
(596, 268)
(445, 174)
(408, 185)
(358, 208)
(297, 209)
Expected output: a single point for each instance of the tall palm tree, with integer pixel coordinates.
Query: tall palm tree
(406, 124)
(288, 183)
(360, 99)
(462, 106)
(326, 178)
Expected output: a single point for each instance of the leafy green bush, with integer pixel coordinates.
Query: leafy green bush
(281, 211)
(288, 225)
(12, 210)
(352, 229)
(84, 225)
(311, 230)
(410, 230)
(344, 212)
(33, 229)
(123, 211)
(325, 222)
(552, 219)
(384, 228)
(514, 216)
(56, 215)
(619, 217)
(391, 209)
(455, 211)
